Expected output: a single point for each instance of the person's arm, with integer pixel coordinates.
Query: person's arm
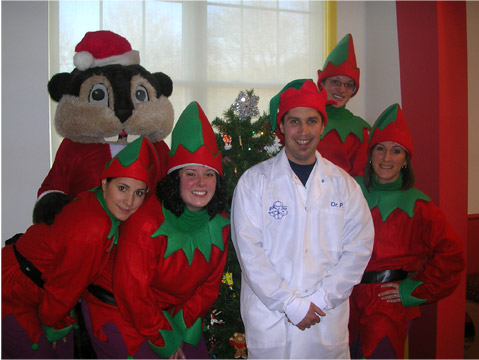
(357, 240)
(77, 262)
(360, 157)
(247, 235)
(193, 310)
(135, 267)
(441, 271)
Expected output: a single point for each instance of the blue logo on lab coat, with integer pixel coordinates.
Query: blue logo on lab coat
(278, 210)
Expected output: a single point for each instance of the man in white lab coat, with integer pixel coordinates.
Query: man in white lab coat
(303, 234)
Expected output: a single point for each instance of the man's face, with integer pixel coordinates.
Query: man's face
(340, 89)
(302, 128)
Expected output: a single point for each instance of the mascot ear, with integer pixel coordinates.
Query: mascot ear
(165, 85)
(59, 85)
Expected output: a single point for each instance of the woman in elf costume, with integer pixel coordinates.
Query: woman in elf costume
(45, 270)
(417, 257)
(169, 265)
(344, 139)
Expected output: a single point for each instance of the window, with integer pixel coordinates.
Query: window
(211, 49)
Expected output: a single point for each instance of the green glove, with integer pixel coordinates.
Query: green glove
(172, 338)
(406, 287)
(191, 335)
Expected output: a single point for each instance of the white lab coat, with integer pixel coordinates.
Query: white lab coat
(297, 243)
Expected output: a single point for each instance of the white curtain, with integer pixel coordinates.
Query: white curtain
(212, 50)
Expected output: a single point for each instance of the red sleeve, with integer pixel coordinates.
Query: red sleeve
(79, 259)
(58, 177)
(77, 168)
(134, 270)
(205, 295)
(360, 156)
(162, 150)
(441, 271)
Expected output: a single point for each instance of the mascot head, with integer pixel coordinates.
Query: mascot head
(109, 97)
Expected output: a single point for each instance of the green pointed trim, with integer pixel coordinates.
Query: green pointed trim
(114, 232)
(191, 335)
(130, 357)
(35, 347)
(129, 154)
(389, 197)
(344, 122)
(202, 237)
(172, 339)
(406, 287)
(55, 335)
(340, 53)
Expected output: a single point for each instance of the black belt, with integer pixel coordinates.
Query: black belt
(102, 294)
(376, 277)
(28, 268)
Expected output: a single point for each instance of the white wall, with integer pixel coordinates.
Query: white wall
(25, 121)
(374, 30)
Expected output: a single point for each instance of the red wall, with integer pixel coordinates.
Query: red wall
(433, 67)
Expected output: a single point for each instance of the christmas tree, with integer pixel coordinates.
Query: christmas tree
(245, 138)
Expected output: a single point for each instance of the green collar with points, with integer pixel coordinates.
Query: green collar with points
(191, 231)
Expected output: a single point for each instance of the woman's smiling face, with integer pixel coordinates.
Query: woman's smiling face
(387, 159)
(197, 186)
(340, 89)
(123, 196)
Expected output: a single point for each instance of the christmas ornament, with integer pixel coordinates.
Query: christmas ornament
(246, 105)
(214, 319)
(228, 279)
(273, 149)
(238, 341)
(227, 140)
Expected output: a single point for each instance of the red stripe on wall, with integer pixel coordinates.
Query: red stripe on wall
(432, 42)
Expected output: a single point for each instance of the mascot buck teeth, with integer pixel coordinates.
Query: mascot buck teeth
(107, 101)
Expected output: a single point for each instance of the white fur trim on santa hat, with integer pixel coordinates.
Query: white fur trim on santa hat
(84, 60)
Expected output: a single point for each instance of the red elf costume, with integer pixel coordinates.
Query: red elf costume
(46, 270)
(168, 268)
(414, 246)
(344, 139)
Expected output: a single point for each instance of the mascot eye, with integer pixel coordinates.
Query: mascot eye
(141, 94)
(99, 94)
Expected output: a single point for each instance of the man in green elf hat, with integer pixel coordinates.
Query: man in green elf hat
(345, 137)
(303, 235)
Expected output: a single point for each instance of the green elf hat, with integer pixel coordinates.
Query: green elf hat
(341, 61)
(138, 160)
(391, 126)
(301, 92)
(193, 141)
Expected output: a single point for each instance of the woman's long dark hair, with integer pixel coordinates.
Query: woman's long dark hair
(407, 172)
(168, 192)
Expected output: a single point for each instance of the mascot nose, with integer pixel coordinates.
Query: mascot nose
(123, 114)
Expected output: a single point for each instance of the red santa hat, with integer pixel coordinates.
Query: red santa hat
(138, 160)
(391, 126)
(193, 141)
(100, 48)
(341, 61)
